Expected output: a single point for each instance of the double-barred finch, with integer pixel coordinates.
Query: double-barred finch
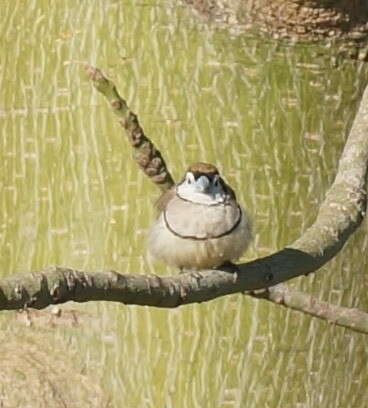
(200, 223)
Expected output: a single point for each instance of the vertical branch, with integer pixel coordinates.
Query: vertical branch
(145, 153)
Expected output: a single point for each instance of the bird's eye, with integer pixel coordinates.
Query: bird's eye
(216, 182)
(189, 178)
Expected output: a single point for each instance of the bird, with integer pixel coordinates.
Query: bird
(200, 224)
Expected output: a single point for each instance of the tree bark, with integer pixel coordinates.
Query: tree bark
(306, 20)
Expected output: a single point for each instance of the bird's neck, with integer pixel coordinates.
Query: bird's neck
(197, 197)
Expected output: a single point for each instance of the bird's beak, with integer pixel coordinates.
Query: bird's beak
(202, 184)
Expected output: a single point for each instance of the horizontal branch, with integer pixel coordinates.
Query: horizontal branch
(60, 285)
(338, 217)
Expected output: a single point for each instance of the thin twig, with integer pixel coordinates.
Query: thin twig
(145, 153)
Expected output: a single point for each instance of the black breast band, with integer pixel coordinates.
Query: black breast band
(193, 237)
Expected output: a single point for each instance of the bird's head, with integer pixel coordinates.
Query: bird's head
(203, 184)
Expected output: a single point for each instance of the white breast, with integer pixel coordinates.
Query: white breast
(199, 221)
(195, 236)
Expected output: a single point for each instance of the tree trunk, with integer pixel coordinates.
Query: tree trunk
(308, 20)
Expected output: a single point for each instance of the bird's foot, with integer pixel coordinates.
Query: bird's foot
(228, 266)
(194, 272)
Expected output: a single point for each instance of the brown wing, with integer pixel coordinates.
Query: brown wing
(165, 197)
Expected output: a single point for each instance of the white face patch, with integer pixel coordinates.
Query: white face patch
(201, 190)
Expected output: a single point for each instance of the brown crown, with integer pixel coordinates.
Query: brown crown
(203, 168)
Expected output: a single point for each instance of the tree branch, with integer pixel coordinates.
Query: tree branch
(149, 159)
(350, 318)
(338, 217)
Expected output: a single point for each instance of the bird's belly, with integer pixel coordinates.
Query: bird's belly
(205, 239)
(201, 222)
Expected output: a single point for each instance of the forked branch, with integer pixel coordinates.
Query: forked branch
(339, 215)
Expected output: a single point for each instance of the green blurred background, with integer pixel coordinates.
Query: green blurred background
(272, 117)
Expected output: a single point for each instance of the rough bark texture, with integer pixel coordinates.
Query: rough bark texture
(314, 19)
(339, 215)
(307, 20)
